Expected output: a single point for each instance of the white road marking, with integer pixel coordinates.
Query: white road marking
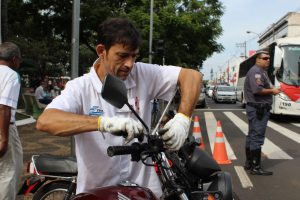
(244, 178)
(296, 124)
(284, 131)
(271, 150)
(211, 127)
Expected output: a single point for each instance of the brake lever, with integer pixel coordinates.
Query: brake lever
(162, 131)
(125, 134)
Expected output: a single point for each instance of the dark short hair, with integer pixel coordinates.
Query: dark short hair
(8, 50)
(118, 31)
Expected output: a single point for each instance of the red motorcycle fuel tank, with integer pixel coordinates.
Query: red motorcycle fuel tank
(117, 192)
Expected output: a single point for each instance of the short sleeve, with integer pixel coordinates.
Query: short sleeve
(161, 81)
(10, 93)
(256, 80)
(69, 99)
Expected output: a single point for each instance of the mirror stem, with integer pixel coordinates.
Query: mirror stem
(140, 119)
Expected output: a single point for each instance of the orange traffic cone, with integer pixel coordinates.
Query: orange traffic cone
(220, 153)
(197, 133)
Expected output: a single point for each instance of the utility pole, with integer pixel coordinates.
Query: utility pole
(244, 45)
(75, 38)
(75, 51)
(0, 23)
(151, 31)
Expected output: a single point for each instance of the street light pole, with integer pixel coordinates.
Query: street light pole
(75, 51)
(243, 44)
(75, 38)
(0, 23)
(253, 33)
(151, 31)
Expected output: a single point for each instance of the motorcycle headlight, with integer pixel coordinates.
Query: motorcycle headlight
(284, 97)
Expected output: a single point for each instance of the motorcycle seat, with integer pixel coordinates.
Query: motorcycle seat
(55, 165)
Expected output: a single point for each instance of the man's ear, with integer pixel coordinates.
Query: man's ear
(100, 49)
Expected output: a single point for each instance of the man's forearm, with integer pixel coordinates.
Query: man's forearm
(62, 123)
(190, 83)
(265, 91)
(5, 114)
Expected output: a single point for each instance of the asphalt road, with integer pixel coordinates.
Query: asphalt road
(281, 152)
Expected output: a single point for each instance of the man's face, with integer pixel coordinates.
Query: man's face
(263, 60)
(119, 60)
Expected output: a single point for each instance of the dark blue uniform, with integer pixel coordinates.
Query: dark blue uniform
(258, 106)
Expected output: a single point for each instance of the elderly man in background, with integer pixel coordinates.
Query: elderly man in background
(11, 154)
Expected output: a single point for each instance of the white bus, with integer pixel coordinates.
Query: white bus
(284, 72)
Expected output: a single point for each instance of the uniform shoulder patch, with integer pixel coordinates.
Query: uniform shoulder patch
(258, 79)
(258, 76)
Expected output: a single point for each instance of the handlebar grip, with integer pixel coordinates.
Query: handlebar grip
(122, 150)
(125, 134)
(162, 131)
(120, 133)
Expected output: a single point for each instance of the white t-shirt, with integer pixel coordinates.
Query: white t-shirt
(39, 92)
(9, 89)
(83, 96)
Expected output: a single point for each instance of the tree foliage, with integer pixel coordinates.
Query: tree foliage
(43, 30)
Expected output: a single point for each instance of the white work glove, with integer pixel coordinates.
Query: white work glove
(116, 125)
(177, 131)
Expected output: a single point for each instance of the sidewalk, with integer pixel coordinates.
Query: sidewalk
(37, 142)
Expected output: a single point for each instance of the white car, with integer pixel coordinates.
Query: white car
(201, 103)
(225, 93)
(210, 91)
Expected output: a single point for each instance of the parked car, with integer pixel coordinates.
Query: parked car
(210, 91)
(224, 93)
(201, 100)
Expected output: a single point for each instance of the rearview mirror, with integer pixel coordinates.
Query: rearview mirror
(114, 91)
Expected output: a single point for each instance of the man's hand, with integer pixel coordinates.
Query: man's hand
(177, 131)
(116, 125)
(276, 91)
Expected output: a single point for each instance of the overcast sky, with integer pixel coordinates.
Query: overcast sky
(243, 15)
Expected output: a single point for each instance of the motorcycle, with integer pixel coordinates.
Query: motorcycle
(189, 173)
(51, 177)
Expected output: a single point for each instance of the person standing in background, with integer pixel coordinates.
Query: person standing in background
(258, 95)
(11, 153)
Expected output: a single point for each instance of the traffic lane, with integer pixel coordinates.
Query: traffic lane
(285, 171)
(286, 177)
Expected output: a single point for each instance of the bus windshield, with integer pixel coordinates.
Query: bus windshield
(289, 72)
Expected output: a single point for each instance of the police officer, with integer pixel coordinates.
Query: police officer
(258, 95)
(11, 154)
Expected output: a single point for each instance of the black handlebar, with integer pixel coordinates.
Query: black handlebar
(123, 150)
(153, 146)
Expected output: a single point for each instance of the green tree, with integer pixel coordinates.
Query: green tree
(189, 29)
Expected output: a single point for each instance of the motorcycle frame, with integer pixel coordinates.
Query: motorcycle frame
(42, 179)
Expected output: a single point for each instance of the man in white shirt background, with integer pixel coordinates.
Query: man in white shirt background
(41, 94)
(11, 153)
